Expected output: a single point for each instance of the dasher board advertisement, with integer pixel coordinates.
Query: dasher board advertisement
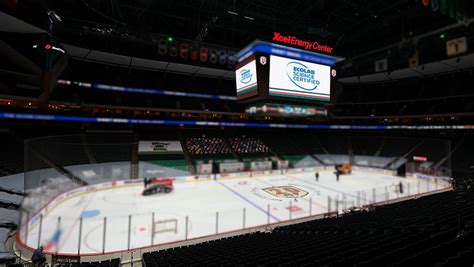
(299, 79)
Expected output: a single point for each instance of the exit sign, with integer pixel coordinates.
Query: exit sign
(420, 158)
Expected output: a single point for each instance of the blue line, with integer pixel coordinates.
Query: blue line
(247, 200)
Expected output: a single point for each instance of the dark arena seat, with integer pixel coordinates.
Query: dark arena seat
(435, 230)
(10, 163)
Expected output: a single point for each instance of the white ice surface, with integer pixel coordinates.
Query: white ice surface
(200, 201)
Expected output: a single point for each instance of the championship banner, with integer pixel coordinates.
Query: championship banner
(232, 59)
(162, 47)
(160, 147)
(184, 50)
(222, 56)
(194, 53)
(203, 55)
(174, 49)
(213, 56)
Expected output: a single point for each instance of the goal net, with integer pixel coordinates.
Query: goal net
(397, 189)
(163, 226)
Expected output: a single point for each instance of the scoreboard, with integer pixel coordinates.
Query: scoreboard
(299, 79)
(246, 79)
(267, 71)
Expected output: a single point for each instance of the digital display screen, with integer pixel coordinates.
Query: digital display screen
(246, 80)
(299, 79)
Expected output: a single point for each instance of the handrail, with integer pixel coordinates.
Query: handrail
(15, 254)
(12, 191)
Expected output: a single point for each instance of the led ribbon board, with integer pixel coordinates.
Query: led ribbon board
(65, 118)
(271, 109)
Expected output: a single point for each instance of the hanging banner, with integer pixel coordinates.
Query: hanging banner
(194, 53)
(162, 47)
(160, 147)
(203, 54)
(222, 56)
(173, 49)
(213, 56)
(184, 51)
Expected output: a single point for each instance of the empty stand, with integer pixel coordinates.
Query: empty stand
(431, 230)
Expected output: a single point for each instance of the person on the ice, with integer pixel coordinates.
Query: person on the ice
(317, 176)
(400, 187)
(146, 181)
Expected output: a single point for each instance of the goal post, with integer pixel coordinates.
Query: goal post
(164, 226)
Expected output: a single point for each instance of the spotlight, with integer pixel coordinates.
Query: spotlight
(52, 15)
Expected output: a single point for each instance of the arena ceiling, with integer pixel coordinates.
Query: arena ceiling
(351, 26)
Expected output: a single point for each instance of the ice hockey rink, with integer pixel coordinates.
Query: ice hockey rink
(114, 216)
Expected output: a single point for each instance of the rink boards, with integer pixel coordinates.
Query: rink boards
(113, 216)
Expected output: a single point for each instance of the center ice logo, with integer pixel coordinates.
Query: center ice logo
(245, 76)
(302, 76)
(286, 191)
